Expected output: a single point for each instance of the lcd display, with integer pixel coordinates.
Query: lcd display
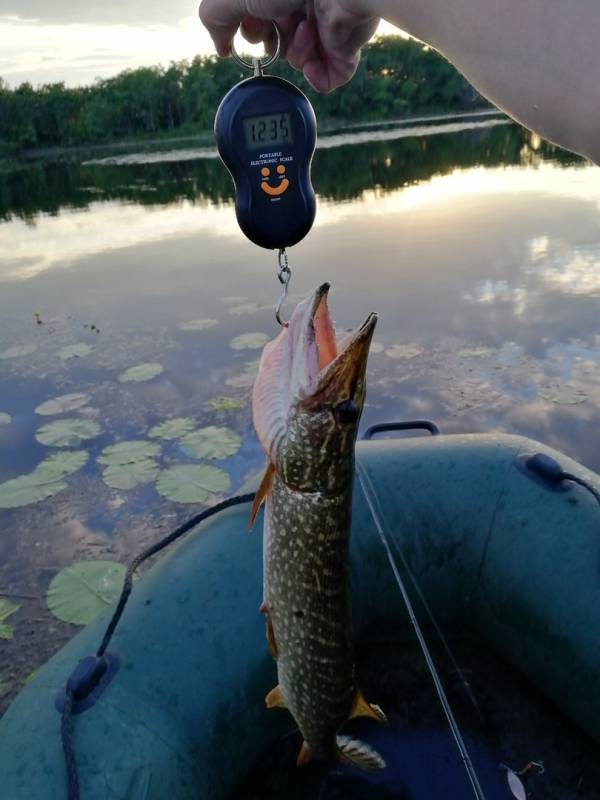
(268, 130)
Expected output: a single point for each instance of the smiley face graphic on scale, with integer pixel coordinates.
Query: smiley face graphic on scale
(274, 191)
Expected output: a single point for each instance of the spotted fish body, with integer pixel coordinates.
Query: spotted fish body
(307, 402)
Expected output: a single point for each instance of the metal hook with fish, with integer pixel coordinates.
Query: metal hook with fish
(284, 275)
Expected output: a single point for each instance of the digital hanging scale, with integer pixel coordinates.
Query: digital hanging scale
(266, 132)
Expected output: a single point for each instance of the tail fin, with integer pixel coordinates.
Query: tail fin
(358, 754)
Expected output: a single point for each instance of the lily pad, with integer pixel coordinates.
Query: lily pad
(18, 351)
(476, 352)
(172, 428)
(249, 341)
(62, 404)
(211, 442)
(244, 308)
(191, 483)
(128, 452)
(59, 465)
(246, 378)
(6, 609)
(140, 373)
(67, 432)
(128, 476)
(225, 403)
(563, 394)
(5, 419)
(404, 350)
(28, 489)
(78, 593)
(198, 324)
(75, 351)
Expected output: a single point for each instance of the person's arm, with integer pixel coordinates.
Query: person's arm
(537, 60)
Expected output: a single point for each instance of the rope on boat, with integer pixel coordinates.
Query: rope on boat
(71, 690)
(373, 504)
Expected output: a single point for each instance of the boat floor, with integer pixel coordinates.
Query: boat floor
(513, 724)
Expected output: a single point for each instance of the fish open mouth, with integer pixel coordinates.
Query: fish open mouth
(305, 364)
(342, 362)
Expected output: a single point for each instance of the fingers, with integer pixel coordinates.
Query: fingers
(303, 46)
(222, 18)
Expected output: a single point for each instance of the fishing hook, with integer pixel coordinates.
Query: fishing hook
(284, 275)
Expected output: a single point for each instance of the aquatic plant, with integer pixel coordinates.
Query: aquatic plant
(78, 350)
(140, 373)
(62, 404)
(191, 483)
(249, 341)
(79, 592)
(6, 609)
(223, 403)
(172, 428)
(46, 480)
(211, 442)
(198, 324)
(67, 432)
(129, 463)
(18, 351)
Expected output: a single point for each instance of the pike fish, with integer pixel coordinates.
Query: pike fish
(306, 404)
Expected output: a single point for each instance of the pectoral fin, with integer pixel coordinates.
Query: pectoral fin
(361, 708)
(261, 493)
(275, 699)
(271, 639)
(304, 756)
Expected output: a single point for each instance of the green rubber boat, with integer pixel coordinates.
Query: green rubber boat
(496, 541)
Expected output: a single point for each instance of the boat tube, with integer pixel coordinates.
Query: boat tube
(498, 549)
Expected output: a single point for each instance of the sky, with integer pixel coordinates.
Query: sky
(76, 41)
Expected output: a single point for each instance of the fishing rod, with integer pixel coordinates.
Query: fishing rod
(373, 505)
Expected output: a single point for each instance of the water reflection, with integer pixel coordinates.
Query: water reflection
(478, 249)
(48, 187)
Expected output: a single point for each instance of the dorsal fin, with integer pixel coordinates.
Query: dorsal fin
(261, 493)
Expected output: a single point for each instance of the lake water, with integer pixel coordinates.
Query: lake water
(477, 244)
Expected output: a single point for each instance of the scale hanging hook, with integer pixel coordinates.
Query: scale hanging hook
(257, 65)
(284, 275)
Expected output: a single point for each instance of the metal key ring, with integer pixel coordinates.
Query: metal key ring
(260, 62)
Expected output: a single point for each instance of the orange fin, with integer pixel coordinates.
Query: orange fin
(359, 754)
(261, 493)
(275, 699)
(304, 756)
(271, 639)
(361, 708)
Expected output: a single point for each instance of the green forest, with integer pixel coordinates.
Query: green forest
(397, 77)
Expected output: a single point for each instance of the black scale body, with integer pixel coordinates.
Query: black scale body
(266, 132)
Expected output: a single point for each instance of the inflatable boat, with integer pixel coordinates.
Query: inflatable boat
(498, 538)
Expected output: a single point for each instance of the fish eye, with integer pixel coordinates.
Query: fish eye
(346, 412)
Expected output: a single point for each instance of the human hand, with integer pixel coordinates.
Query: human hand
(321, 38)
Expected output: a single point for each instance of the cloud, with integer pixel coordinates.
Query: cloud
(92, 11)
(77, 53)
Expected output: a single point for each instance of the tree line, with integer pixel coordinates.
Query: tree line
(396, 77)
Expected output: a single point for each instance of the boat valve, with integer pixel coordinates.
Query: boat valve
(86, 676)
(87, 681)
